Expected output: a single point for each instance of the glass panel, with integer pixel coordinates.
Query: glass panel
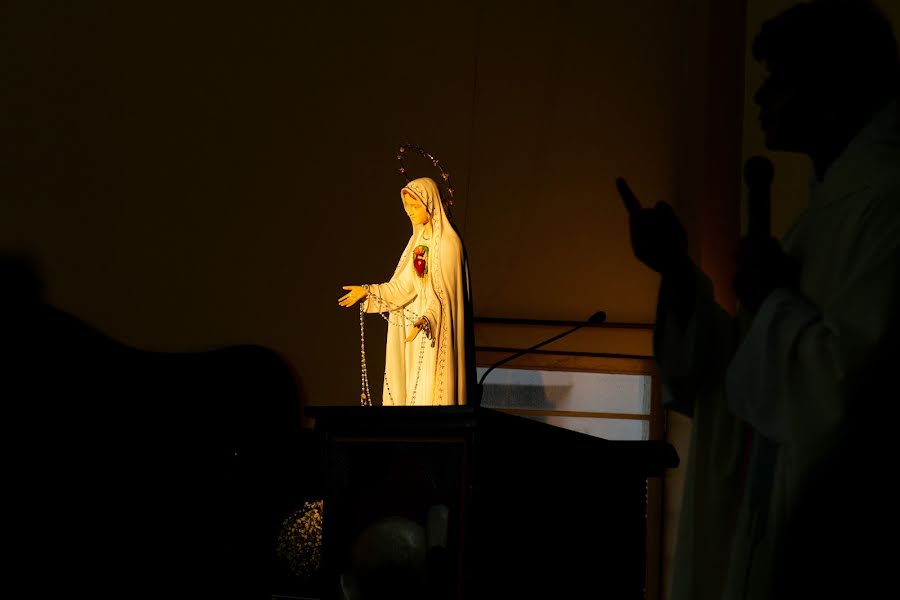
(567, 390)
(610, 429)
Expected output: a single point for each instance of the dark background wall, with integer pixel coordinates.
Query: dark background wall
(192, 175)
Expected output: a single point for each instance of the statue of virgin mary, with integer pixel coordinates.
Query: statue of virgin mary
(429, 359)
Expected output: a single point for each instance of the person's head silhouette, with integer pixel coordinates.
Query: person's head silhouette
(831, 64)
(20, 280)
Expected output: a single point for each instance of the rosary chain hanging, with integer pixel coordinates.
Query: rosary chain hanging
(366, 394)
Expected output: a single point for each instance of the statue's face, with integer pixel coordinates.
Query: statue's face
(415, 210)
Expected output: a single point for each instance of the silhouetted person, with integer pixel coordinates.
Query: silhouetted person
(138, 474)
(803, 370)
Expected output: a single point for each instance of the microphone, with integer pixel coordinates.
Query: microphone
(758, 174)
(594, 319)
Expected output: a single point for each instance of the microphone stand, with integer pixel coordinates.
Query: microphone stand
(596, 318)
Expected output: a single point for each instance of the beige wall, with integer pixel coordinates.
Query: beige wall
(191, 175)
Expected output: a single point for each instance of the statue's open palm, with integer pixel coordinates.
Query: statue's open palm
(354, 295)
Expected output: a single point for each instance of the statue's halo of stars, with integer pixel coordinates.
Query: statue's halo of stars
(403, 151)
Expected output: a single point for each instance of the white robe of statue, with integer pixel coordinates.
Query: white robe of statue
(791, 374)
(420, 372)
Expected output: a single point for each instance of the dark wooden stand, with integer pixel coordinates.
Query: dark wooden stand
(534, 511)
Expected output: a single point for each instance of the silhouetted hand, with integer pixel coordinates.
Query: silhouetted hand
(657, 237)
(762, 266)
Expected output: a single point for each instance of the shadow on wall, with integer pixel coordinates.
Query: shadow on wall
(143, 473)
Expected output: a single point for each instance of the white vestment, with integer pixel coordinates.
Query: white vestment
(421, 372)
(791, 374)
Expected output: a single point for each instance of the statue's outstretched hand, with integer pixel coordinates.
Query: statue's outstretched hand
(658, 238)
(354, 295)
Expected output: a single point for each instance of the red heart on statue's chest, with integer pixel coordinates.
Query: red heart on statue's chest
(420, 260)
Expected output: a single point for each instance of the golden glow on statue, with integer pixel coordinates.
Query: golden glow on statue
(429, 295)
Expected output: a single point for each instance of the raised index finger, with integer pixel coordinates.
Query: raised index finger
(632, 204)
